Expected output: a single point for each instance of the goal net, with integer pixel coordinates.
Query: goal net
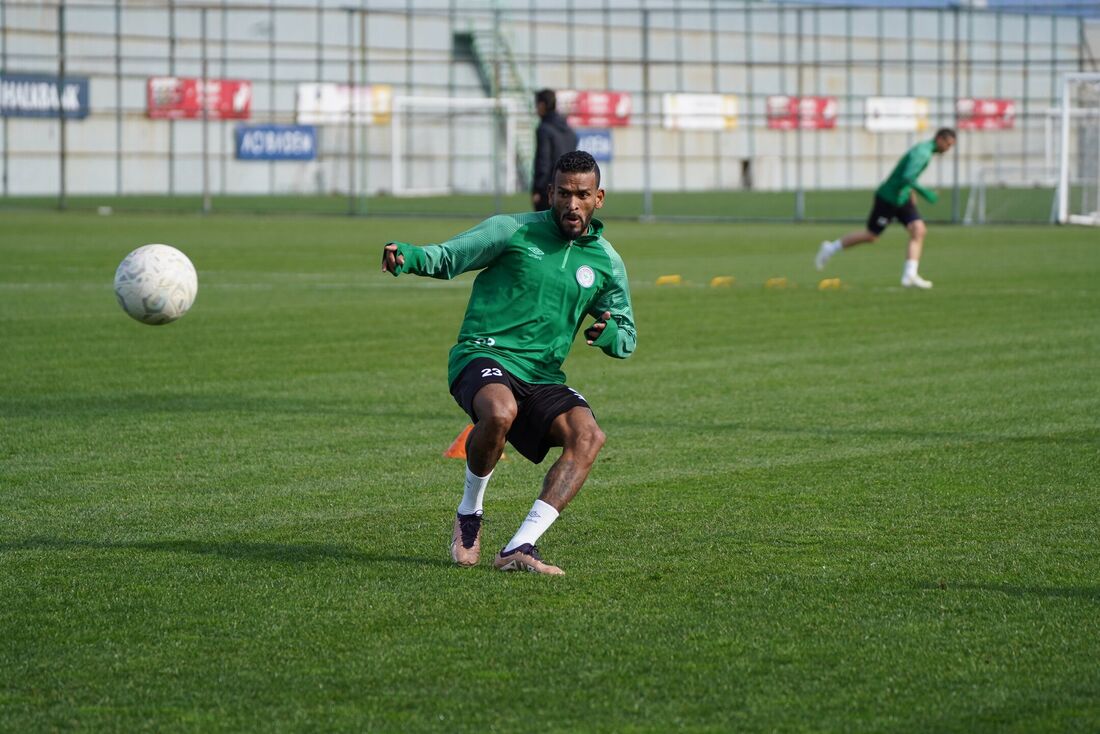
(447, 145)
(1078, 199)
(1012, 195)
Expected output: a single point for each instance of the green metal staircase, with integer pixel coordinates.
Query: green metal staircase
(491, 54)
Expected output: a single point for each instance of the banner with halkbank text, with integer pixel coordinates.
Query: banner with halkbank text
(42, 95)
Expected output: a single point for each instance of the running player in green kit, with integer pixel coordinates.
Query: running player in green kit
(894, 199)
(541, 274)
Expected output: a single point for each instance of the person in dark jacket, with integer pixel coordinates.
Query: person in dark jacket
(553, 138)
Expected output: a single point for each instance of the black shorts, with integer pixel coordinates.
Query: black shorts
(883, 211)
(538, 405)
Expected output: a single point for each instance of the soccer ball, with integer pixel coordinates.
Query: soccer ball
(156, 284)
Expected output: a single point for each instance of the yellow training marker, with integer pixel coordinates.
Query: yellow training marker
(670, 280)
(829, 284)
(776, 283)
(721, 281)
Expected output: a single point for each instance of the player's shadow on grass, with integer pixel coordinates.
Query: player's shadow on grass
(1088, 593)
(232, 549)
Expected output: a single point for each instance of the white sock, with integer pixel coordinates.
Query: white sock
(537, 522)
(474, 493)
(833, 247)
(910, 268)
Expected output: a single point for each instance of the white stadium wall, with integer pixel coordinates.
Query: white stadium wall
(846, 54)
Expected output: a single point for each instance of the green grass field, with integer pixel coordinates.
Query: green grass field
(864, 509)
(851, 206)
(1020, 205)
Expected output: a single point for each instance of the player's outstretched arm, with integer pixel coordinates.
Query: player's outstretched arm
(392, 259)
(472, 250)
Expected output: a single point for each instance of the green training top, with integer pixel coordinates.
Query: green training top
(895, 189)
(532, 294)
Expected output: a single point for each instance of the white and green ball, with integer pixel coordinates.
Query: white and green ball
(156, 284)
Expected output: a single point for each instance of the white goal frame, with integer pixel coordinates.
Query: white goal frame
(1020, 177)
(1064, 183)
(403, 106)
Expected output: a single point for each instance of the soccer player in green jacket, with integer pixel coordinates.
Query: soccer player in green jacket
(541, 274)
(894, 199)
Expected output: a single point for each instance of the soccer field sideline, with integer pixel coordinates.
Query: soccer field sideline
(1021, 205)
(817, 510)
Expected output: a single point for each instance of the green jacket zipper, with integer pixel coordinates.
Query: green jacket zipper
(566, 258)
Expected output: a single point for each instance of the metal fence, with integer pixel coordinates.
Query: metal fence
(445, 49)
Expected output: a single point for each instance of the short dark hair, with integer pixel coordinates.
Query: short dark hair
(946, 132)
(578, 161)
(548, 98)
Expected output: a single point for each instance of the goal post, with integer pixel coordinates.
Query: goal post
(1078, 199)
(445, 145)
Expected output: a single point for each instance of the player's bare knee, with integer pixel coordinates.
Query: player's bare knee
(599, 438)
(588, 441)
(499, 416)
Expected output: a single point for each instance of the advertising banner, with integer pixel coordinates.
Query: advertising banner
(276, 142)
(183, 98)
(595, 109)
(699, 111)
(985, 114)
(596, 142)
(808, 113)
(332, 104)
(896, 114)
(41, 95)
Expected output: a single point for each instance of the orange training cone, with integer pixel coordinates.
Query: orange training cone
(457, 449)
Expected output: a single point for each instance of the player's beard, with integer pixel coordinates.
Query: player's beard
(567, 228)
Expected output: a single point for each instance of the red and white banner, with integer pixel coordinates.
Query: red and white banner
(595, 109)
(175, 98)
(809, 113)
(985, 114)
